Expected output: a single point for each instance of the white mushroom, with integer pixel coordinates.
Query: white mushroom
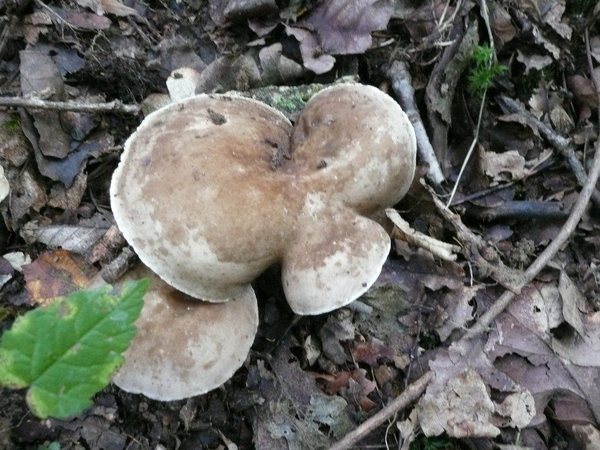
(185, 347)
(213, 189)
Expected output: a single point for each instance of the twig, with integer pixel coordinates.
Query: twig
(475, 247)
(35, 103)
(409, 395)
(557, 141)
(401, 84)
(521, 210)
(485, 192)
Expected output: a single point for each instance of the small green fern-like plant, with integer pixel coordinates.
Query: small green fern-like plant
(68, 351)
(485, 70)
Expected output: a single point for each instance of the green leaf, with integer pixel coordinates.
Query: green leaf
(68, 351)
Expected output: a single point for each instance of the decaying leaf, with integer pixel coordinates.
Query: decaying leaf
(312, 55)
(27, 192)
(534, 61)
(229, 72)
(371, 351)
(339, 27)
(292, 409)
(79, 238)
(509, 164)
(40, 74)
(353, 385)
(573, 304)
(568, 364)
(344, 27)
(89, 21)
(462, 409)
(68, 198)
(56, 274)
(458, 305)
(501, 22)
(115, 7)
(554, 18)
(338, 328)
(458, 401)
(224, 11)
(276, 68)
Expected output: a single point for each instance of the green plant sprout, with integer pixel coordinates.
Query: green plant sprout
(483, 74)
(485, 70)
(68, 351)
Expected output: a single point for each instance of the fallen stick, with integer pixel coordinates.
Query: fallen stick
(409, 395)
(557, 141)
(401, 84)
(36, 103)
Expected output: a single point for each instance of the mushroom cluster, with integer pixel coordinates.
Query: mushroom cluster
(213, 189)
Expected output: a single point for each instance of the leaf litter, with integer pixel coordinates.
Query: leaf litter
(535, 371)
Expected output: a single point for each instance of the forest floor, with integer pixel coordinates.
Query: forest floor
(506, 88)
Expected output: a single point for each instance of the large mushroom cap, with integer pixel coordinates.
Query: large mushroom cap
(213, 189)
(194, 189)
(185, 347)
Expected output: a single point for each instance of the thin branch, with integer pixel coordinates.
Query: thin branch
(561, 144)
(401, 84)
(520, 210)
(35, 103)
(409, 395)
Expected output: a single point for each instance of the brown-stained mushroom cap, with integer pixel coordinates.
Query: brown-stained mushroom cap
(213, 189)
(185, 347)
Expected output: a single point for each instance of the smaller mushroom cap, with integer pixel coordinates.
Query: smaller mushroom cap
(182, 83)
(185, 347)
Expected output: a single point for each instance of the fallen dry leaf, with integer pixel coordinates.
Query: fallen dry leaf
(370, 351)
(39, 73)
(344, 27)
(458, 400)
(509, 165)
(79, 238)
(56, 274)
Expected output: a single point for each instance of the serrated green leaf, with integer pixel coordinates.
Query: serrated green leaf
(68, 351)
